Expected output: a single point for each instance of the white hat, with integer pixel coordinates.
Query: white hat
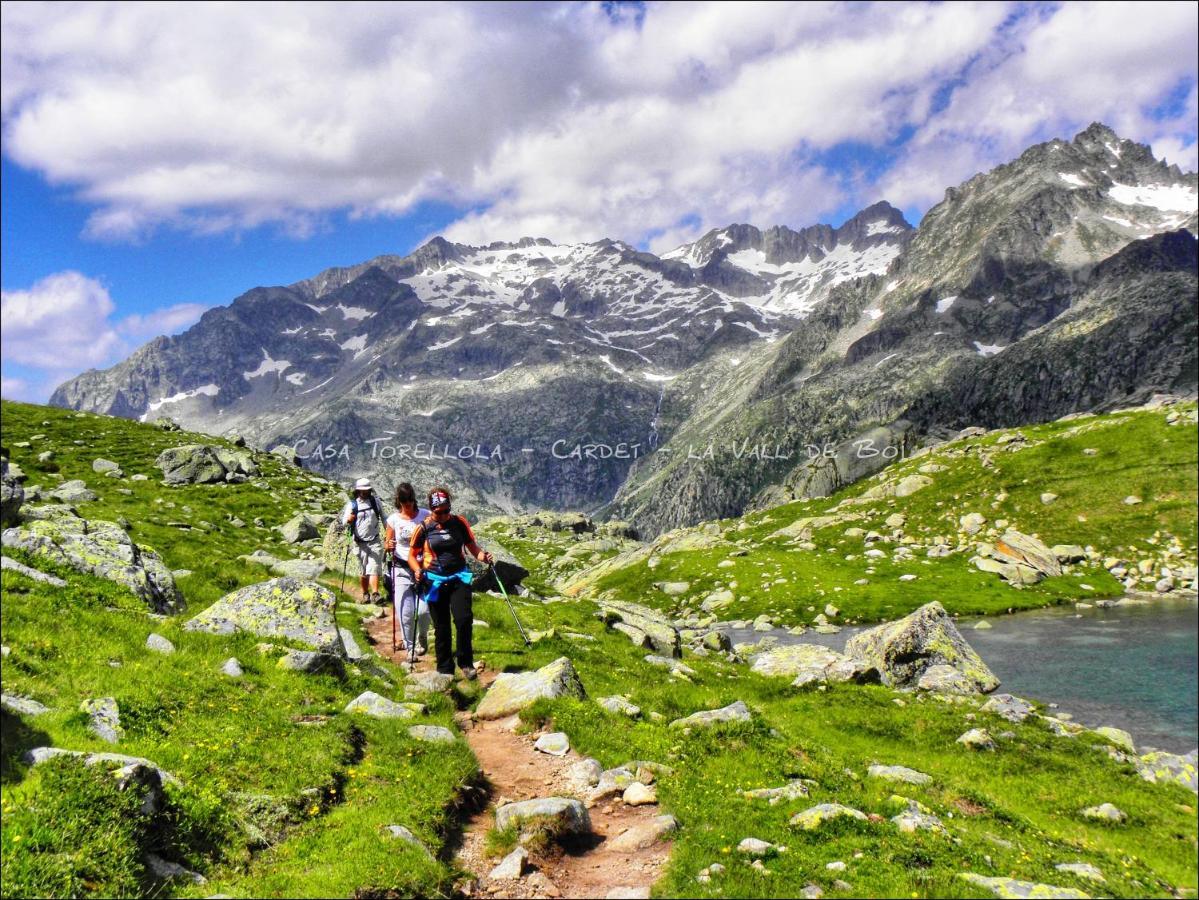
(362, 484)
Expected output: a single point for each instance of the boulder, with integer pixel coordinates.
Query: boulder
(104, 719)
(281, 607)
(904, 650)
(1008, 707)
(104, 466)
(1160, 767)
(792, 790)
(912, 483)
(302, 569)
(977, 739)
(734, 712)
(431, 734)
(191, 464)
(756, 848)
(645, 834)
(945, 680)
(159, 644)
(428, 683)
(1117, 736)
(378, 707)
(816, 816)
(513, 691)
(23, 706)
(562, 815)
(39, 755)
(899, 773)
(1015, 547)
(620, 705)
(1082, 870)
(555, 743)
(12, 494)
(71, 492)
(99, 548)
(1019, 890)
(657, 628)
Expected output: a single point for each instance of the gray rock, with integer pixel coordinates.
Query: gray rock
(1015, 547)
(658, 630)
(354, 653)
(945, 680)
(555, 743)
(513, 691)
(792, 790)
(564, 816)
(1022, 890)
(72, 492)
(815, 817)
(191, 464)
(673, 665)
(756, 848)
(431, 734)
(645, 834)
(104, 466)
(302, 569)
(904, 650)
(1161, 767)
(104, 719)
(1117, 736)
(281, 607)
(159, 644)
(312, 662)
(911, 484)
(427, 683)
(972, 523)
(620, 705)
(232, 667)
(371, 704)
(400, 833)
(1008, 707)
(638, 794)
(1082, 870)
(1068, 553)
(299, 528)
(11, 565)
(12, 495)
(99, 548)
(899, 773)
(511, 866)
(977, 739)
(734, 712)
(167, 870)
(1105, 812)
(23, 706)
(39, 755)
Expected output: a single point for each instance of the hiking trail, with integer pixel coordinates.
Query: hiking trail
(585, 867)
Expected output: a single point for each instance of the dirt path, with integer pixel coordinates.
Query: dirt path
(513, 770)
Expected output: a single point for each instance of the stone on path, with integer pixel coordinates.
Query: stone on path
(555, 743)
(565, 816)
(511, 867)
(427, 683)
(638, 794)
(513, 691)
(645, 834)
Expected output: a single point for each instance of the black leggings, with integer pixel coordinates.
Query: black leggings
(453, 601)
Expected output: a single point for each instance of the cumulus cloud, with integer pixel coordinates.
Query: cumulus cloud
(65, 323)
(560, 119)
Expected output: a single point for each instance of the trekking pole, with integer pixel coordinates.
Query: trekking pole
(346, 565)
(391, 571)
(415, 617)
(511, 608)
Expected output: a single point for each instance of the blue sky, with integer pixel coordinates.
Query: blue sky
(162, 159)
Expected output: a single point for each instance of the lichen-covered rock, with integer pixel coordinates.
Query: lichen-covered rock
(1016, 547)
(75, 491)
(620, 705)
(912, 483)
(675, 666)
(734, 712)
(1117, 736)
(792, 790)
(371, 704)
(513, 691)
(39, 755)
(312, 662)
(554, 743)
(103, 466)
(431, 734)
(1159, 766)
(191, 464)
(816, 816)
(945, 680)
(562, 815)
(977, 739)
(11, 565)
(281, 607)
(22, 705)
(104, 719)
(1022, 890)
(302, 569)
(790, 661)
(904, 650)
(898, 773)
(659, 631)
(99, 548)
(427, 683)
(1008, 707)
(1082, 870)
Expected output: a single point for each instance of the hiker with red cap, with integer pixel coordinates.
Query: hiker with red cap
(361, 516)
(437, 556)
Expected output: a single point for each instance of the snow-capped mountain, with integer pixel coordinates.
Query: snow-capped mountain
(583, 374)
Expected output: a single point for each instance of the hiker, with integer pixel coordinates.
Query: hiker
(437, 554)
(361, 516)
(410, 610)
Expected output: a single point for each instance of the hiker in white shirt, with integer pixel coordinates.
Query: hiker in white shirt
(362, 515)
(410, 608)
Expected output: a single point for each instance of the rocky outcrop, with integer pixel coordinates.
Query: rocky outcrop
(513, 691)
(281, 607)
(904, 650)
(707, 718)
(204, 464)
(644, 626)
(12, 494)
(99, 548)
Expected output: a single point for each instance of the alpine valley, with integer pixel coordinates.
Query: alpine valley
(747, 369)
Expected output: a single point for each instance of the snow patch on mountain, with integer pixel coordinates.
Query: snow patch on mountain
(206, 390)
(1165, 197)
(267, 366)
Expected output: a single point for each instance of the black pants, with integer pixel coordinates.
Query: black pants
(453, 601)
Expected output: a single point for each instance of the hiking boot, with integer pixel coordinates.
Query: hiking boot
(469, 673)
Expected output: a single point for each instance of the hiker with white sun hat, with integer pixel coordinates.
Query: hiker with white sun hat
(362, 516)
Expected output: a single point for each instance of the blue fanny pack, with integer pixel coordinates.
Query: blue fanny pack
(466, 576)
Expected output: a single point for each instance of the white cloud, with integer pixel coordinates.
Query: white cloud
(65, 323)
(553, 119)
